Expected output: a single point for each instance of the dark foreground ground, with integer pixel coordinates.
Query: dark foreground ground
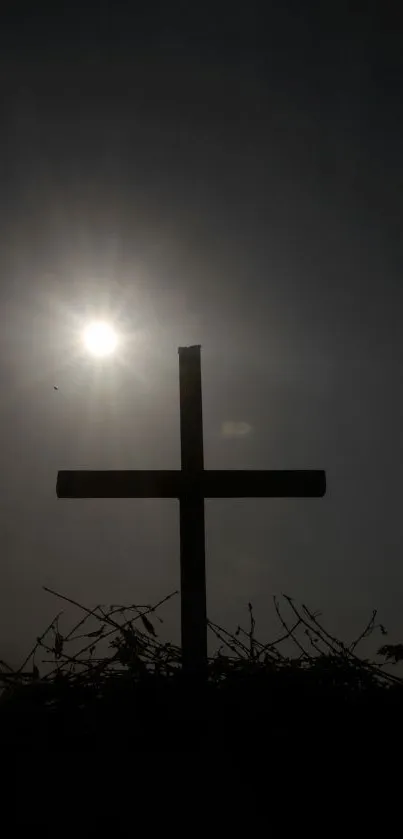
(255, 714)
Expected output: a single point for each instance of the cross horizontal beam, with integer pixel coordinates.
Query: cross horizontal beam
(179, 484)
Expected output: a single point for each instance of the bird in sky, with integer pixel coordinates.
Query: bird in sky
(55, 387)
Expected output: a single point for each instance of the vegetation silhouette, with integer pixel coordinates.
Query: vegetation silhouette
(118, 683)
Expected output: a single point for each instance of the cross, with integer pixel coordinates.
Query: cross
(191, 485)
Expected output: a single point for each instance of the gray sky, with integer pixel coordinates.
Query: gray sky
(236, 185)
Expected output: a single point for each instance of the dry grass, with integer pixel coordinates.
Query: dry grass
(111, 680)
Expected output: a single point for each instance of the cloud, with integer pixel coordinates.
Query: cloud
(229, 428)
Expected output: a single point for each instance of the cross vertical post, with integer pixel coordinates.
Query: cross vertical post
(192, 530)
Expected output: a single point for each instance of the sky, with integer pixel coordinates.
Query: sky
(230, 178)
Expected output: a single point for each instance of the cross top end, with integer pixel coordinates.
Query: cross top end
(193, 347)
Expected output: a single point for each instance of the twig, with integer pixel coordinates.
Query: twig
(367, 631)
(80, 606)
(289, 631)
(321, 629)
(38, 643)
(251, 632)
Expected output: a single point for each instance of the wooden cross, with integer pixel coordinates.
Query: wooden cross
(191, 485)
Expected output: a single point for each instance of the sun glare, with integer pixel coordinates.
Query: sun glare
(100, 339)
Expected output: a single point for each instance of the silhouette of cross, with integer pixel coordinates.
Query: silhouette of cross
(191, 485)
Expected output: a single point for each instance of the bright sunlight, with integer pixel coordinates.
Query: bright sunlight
(100, 339)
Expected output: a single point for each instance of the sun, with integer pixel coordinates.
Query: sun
(100, 338)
